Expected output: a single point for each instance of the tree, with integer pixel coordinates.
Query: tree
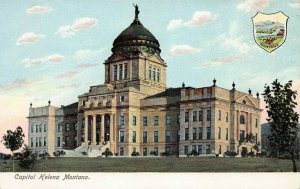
(13, 140)
(28, 158)
(283, 120)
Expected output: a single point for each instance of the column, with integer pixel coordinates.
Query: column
(86, 119)
(238, 125)
(94, 130)
(111, 129)
(102, 128)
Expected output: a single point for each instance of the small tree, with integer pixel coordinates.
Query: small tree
(283, 120)
(13, 140)
(28, 158)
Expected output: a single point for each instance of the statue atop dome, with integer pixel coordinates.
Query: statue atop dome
(136, 11)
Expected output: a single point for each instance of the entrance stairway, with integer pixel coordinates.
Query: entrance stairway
(90, 151)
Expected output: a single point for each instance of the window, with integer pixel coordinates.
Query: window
(168, 119)
(168, 136)
(153, 74)
(121, 120)
(194, 115)
(134, 150)
(242, 135)
(149, 73)
(67, 127)
(200, 149)
(201, 115)
(122, 98)
(45, 141)
(31, 141)
(194, 148)
(158, 75)
(178, 118)
(125, 71)
(156, 151)
(194, 133)
(75, 127)
(133, 136)
(208, 149)
(120, 72)
(115, 73)
(186, 149)
(219, 133)
(144, 121)
(256, 123)
(82, 137)
(208, 115)
(226, 133)
(121, 151)
(155, 136)
(36, 128)
(168, 150)
(121, 136)
(31, 128)
(155, 120)
(133, 120)
(40, 128)
(59, 128)
(83, 103)
(186, 136)
(208, 130)
(36, 141)
(82, 123)
(227, 117)
(144, 151)
(67, 139)
(242, 119)
(256, 138)
(75, 141)
(186, 117)
(145, 137)
(200, 133)
(40, 141)
(219, 116)
(178, 136)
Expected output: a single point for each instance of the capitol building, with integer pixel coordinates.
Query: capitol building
(134, 111)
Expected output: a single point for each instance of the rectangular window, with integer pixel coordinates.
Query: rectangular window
(200, 149)
(227, 117)
(45, 128)
(256, 138)
(36, 128)
(144, 121)
(168, 119)
(158, 75)
(156, 151)
(144, 151)
(125, 71)
(178, 118)
(75, 127)
(208, 115)
(194, 115)
(133, 120)
(186, 116)
(40, 128)
(168, 150)
(156, 120)
(67, 141)
(115, 73)
(186, 149)
(194, 148)
(40, 141)
(208, 149)
(153, 74)
(36, 141)
(242, 135)
(58, 128)
(256, 123)
(122, 136)
(226, 133)
(45, 141)
(149, 73)
(31, 141)
(219, 116)
(208, 131)
(122, 98)
(82, 123)
(194, 133)
(120, 72)
(67, 127)
(121, 120)
(168, 136)
(121, 151)
(219, 133)
(31, 128)
(186, 134)
(155, 136)
(133, 136)
(75, 141)
(200, 115)
(200, 133)
(82, 137)
(145, 137)
(178, 136)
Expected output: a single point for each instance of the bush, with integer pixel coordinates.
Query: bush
(84, 153)
(165, 154)
(27, 158)
(251, 154)
(230, 153)
(194, 153)
(59, 153)
(135, 154)
(244, 152)
(107, 153)
(116, 154)
(44, 155)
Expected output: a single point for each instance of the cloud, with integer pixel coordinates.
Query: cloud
(79, 24)
(29, 37)
(83, 54)
(199, 18)
(182, 49)
(21, 83)
(54, 58)
(68, 74)
(295, 5)
(38, 10)
(253, 6)
(74, 85)
(87, 65)
(223, 60)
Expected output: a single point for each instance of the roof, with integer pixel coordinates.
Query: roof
(170, 92)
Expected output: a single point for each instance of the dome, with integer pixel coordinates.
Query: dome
(136, 38)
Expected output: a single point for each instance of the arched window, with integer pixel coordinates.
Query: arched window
(158, 75)
(242, 119)
(149, 73)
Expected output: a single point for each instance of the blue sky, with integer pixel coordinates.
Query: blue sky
(55, 49)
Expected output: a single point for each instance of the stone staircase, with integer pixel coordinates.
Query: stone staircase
(91, 151)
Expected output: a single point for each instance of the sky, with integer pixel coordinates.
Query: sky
(56, 49)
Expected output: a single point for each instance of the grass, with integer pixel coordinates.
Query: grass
(157, 165)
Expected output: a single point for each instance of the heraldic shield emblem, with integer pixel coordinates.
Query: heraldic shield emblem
(270, 30)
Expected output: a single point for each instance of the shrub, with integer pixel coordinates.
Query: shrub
(44, 155)
(84, 153)
(244, 152)
(27, 158)
(194, 153)
(59, 153)
(230, 153)
(251, 154)
(116, 154)
(107, 153)
(165, 154)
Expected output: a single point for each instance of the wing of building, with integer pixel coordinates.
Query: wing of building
(134, 111)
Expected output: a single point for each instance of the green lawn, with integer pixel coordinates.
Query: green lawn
(159, 165)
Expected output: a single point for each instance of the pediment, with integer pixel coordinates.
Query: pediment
(244, 99)
(155, 58)
(117, 57)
